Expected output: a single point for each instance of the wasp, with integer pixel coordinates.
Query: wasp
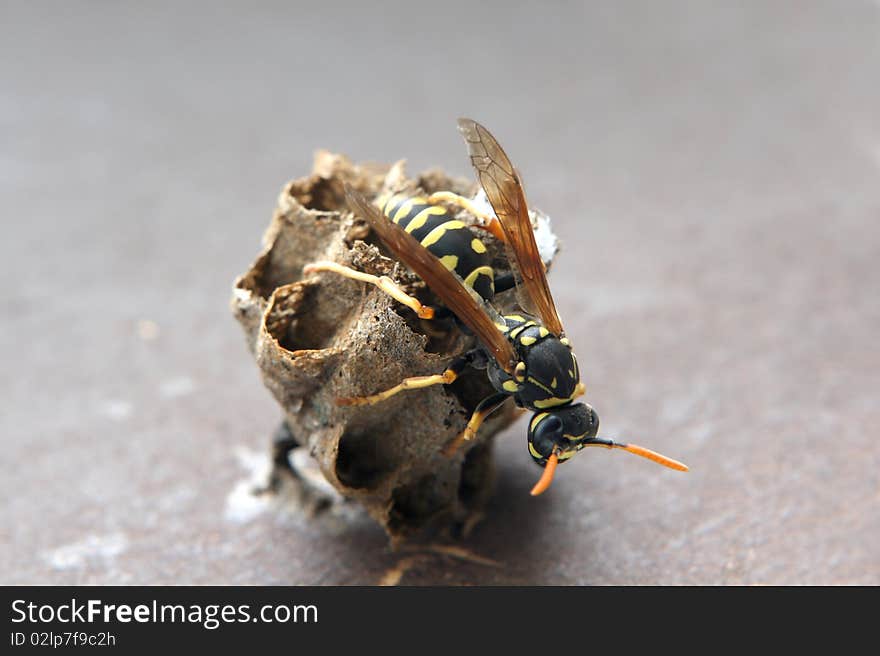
(526, 355)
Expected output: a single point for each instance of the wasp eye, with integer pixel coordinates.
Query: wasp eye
(546, 435)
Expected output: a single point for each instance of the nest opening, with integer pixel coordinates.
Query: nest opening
(415, 504)
(310, 329)
(319, 194)
(475, 469)
(364, 460)
(469, 389)
(293, 321)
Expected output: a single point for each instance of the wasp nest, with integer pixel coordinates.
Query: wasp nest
(322, 337)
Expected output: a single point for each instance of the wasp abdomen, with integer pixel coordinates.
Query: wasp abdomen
(450, 240)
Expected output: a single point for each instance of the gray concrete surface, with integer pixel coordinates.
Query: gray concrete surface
(714, 172)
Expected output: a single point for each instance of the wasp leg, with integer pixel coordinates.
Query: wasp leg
(490, 223)
(503, 282)
(384, 283)
(451, 373)
(486, 407)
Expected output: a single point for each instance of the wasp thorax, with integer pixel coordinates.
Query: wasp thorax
(551, 374)
(562, 430)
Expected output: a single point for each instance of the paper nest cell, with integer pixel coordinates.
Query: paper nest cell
(321, 337)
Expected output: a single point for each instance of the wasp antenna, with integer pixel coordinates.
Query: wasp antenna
(547, 477)
(659, 458)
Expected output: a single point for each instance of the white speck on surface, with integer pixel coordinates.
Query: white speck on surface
(176, 387)
(245, 501)
(116, 409)
(92, 547)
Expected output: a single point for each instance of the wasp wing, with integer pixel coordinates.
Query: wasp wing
(504, 190)
(467, 305)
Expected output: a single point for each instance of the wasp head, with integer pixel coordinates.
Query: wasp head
(563, 430)
(559, 433)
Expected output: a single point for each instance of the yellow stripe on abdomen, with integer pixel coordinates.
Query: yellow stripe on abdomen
(449, 261)
(472, 276)
(403, 210)
(437, 233)
(422, 217)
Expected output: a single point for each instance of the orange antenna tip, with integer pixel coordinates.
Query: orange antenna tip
(547, 477)
(656, 457)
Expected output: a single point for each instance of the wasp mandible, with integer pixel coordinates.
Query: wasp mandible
(527, 355)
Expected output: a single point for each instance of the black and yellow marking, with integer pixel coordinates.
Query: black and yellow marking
(523, 331)
(490, 223)
(562, 455)
(553, 390)
(450, 240)
(570, 446)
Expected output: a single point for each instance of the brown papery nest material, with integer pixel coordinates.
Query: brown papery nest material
(319, 338)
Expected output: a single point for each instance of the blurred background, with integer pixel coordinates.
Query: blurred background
(712, 170)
